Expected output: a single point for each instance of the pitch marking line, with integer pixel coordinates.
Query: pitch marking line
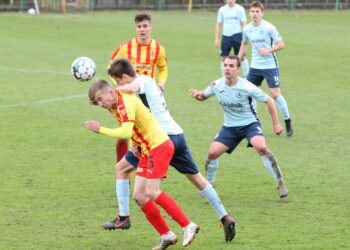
(35, 71)
(22, 104)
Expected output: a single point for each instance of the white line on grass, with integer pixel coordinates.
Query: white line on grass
(21, 104)
(34, 71)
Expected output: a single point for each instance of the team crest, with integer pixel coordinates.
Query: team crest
(239, 95)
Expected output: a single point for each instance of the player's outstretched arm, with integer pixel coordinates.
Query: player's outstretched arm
(129, 88)
(274, 116)
(123, 132)
(197, 94)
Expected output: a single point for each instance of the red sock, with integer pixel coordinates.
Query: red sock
(154, 217)
(121, 147)
(172, 208)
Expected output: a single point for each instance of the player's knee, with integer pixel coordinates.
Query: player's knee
(212, 154)
(261, 149)
(139, 198)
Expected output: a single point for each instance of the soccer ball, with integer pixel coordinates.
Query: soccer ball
(83, 68)
(31, 11)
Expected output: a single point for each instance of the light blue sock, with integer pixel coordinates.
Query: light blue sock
(283, 107)
(210, 194)
(222, 68)
(245, 67)
(122, 190)
(271, 165)
(211, 166)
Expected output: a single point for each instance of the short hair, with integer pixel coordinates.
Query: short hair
(142, 17)
(121, 66)
(236, 58)
(257, 4)
(98, 85)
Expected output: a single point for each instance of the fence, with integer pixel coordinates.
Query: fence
(92, 5)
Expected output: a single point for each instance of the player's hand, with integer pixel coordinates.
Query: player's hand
(161, 86)
(278, 129)
(217, 43)
(136, 151)
(264, 52)
(196, 94)
(93, 126)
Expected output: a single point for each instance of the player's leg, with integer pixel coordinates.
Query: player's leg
(272, 78)
(121, 147)
(123, 169)
(257, 139)
(225, 141)
(183, 162)
(152, 212)
(158, 164)
(237, 40)
(224, 51)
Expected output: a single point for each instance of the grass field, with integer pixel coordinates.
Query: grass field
(57, 178)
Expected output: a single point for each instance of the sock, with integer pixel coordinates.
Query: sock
(121, 147)
(154, 217)
(211, 166)
(172, 209)
(210, 194)
(271, 165)
(122, 188)
(222, 68)
(245, 67)
(282, 106)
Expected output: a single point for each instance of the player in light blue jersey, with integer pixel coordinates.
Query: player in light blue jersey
(265, 41)
(232, 19)
(182, 160)
(235, 96)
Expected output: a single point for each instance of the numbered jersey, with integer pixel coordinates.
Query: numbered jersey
(153, 98)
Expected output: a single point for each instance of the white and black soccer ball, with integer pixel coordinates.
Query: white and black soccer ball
(83, 68)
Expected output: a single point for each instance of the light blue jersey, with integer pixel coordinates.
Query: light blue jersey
(231, 18)
(236, 101)
(157, 104)
(263, 36)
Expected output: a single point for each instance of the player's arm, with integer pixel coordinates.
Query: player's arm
(162, 68)
(129, 88)
(122, 132)
(242, 49)
(278, 46)
(198, 94)
(217, 34)
(274, 116)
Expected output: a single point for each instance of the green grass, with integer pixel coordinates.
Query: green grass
(57, 178)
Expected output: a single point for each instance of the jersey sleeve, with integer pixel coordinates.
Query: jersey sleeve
(220, 17)
(244, 35)
(162, 65)
(276, 37)
(126, 108)
(243, 16)
(120, 52)
(209, 91)
(257, 93)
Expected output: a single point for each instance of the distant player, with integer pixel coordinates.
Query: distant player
(147, 55)
(122, 72)
(156, 151)
(235, 96)
(265, 41)
(232, 19)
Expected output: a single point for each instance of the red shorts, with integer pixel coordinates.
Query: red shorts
(156, 165)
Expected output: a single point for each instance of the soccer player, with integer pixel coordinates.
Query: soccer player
(240, 120)
(265, 41)
(123, 72)
(147, 55)
(232, 19)
(156, 149)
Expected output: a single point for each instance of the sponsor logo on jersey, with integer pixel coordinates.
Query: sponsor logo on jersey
(231, 105)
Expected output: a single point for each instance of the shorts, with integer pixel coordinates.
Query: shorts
(232, 136)
(156, 164)
(182, 159)
(228, 42)
(272, 76)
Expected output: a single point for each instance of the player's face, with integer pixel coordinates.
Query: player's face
(231, 69)
(105, 98)
(143, 31)
(256, 14)
(231, 2)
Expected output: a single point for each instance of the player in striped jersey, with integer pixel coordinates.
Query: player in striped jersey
(147, 55)
(182, 161)
(156, 149)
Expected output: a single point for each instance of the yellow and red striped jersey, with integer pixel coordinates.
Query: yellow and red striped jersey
(146, 132)
(145, 57)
